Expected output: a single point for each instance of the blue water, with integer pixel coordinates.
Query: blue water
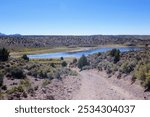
(79, 53)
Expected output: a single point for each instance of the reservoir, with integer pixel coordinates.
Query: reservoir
(78, 54)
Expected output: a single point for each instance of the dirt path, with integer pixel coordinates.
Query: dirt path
(95, 85)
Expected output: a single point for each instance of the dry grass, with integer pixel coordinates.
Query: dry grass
(29, 51)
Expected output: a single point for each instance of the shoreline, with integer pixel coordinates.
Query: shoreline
(63, 49)
(28, 50)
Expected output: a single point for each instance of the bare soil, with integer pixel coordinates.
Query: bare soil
(97, 86)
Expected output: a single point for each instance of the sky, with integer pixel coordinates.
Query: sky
(75, 17)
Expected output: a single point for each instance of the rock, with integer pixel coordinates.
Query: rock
(10, 97)
(44, 90)
(49, 97)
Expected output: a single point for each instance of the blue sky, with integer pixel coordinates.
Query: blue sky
(74, 17)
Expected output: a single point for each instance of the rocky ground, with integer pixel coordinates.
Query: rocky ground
(56, 89)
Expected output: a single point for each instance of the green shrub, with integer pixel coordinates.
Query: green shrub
(25, 83)
(1, 79)
(4, 87)
(61, 58)
(25, 57)
(74, 61)
(147, 80)
(128, 66)
(100, 67)
(46, 82)
(15, 89)
(42, 71)
(99, 54)
(4, 54)
(64, 64)
(2, 95)
(52, 65)
(17, 73)
(67, 71)
(82, 62)
(116, 54)
(142, 72)
(113, 52)
(73, 73)
(108, 66)
(42, 74)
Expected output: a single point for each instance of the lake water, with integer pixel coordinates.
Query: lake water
(79, 53)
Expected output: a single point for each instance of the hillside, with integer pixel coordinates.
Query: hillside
(18, 41)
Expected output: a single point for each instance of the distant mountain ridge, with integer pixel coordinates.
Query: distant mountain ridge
(2, 34)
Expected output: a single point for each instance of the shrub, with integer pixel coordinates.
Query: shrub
(1, 96)
(67, 71)
(42, 74)
(147, 80)
(25, 57)
(52, 65)
(1, 79)
(46, 82)
(57, 76)
(117, 57)
(99, 67)
(24, 94)
(64, 64)
(61, 58)
(4, 87)
(73, 73)
(17, 73)
(142, 72)
(87, 67)
(15, 89)
(82, 62)
(113, 52)
(4, 54)
(25, 83)
(108, 66)
(116, 54)
(74, 61)
(99, 54)
(128, 66)
(50, 76)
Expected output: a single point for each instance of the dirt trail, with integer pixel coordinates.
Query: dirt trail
(96, 86)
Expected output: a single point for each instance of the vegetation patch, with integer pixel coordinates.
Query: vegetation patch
(136, 64)
(17, 73)
(4, 54)
(46, 82)
(82, 62)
